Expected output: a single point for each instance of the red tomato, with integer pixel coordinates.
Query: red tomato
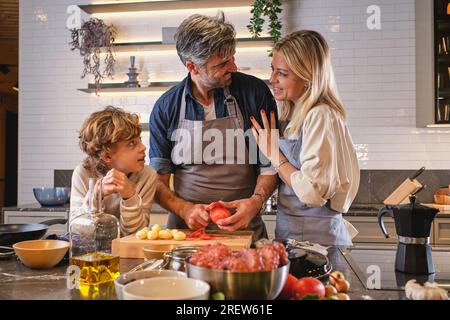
(217, 214)
(287, 293)
(217, 211)
(213, 205)
(308, 286)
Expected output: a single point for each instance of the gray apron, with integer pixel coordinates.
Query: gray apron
(298, 221)
(218, 175)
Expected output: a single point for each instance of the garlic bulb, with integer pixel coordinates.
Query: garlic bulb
(429, 291)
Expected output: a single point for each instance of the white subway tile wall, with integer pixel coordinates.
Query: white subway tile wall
(375, 72)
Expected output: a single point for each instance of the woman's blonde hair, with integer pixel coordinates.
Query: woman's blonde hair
(101, 131)
(307, 54)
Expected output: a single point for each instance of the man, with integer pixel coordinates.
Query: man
(215, 98)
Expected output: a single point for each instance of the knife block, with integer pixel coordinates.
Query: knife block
(402, 193)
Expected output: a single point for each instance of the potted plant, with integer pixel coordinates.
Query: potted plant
(269, 9)
(93, 37)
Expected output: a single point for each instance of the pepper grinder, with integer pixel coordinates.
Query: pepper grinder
(132, 75)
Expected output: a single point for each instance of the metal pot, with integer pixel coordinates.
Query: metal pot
(176, 259)
(259, 285)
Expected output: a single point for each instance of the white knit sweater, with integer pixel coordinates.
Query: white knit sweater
(133, 213)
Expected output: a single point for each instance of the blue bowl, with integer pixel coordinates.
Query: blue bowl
(52, 196)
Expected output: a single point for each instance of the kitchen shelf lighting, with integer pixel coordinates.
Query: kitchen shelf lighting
(148, 6)
(157, 47)
(119, 89)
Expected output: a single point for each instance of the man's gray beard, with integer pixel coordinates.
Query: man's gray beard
(217, 84)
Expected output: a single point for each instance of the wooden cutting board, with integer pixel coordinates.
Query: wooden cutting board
(130, 247)
(441, 207)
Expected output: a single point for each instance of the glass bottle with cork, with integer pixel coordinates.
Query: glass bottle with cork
(91, 236)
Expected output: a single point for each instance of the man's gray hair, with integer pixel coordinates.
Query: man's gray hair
(198, 37)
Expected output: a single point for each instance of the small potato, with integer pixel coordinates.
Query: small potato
(141, 235)
(173, 231)
(152, 235)
(156, 227)
(179, 236)
(165, 234)
(145, 229)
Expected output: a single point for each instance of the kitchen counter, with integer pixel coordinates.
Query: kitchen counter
(20, 282)
(367, 210)
(37, 207)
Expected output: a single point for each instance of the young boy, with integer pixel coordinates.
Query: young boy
(111, 140)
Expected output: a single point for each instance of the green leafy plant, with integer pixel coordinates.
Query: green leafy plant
(91, 39)
(269, 9)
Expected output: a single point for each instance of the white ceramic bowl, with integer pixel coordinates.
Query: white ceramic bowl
(127, 278)
(166, 288)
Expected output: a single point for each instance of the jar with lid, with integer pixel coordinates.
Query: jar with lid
(91, 236)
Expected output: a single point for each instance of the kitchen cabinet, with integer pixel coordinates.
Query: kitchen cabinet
(442, 61)
(432, 36)
(370, 231)
(441, 230)
(270, 221)
(38, 217)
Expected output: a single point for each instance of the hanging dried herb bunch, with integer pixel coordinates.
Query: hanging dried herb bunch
(270, 9)
(93, 37)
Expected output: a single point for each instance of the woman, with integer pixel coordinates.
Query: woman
(315, 158)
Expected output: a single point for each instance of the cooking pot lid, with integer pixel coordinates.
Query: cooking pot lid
(304, 262)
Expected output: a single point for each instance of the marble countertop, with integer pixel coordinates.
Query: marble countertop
(19, 282)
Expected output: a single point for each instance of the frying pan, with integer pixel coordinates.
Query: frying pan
(12, 233)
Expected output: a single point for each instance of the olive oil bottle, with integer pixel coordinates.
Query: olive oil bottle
(91, 236)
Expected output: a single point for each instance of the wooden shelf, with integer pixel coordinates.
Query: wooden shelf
(120, 87)
(159, 45)
(444, 93)
(443, 18)
(443, 58)
(443, 25)
(162, 5)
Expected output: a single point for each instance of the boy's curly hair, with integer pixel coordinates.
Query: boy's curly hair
(101, 131)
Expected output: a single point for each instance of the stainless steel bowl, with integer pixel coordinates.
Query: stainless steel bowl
(260, 285)
(176, 259)
(52, 196)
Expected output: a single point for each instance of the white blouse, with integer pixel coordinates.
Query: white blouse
(329, 165)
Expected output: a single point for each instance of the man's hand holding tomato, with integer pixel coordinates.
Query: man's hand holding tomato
(196, 216)
(245, 211)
